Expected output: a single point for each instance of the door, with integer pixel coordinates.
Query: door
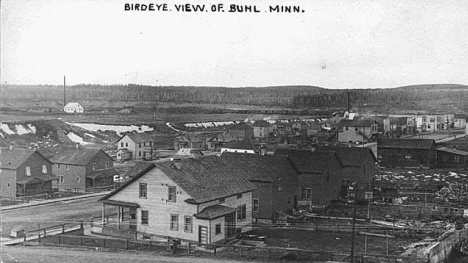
(230, 223)
(203, 234)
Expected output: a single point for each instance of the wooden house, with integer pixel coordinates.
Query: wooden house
(357, 131)
(73, 107)
(141, 145)
(275, 180)
(262, 129)
(406, 153)
(25, 172)
(81, 168)
(191, 200)
(450, 157)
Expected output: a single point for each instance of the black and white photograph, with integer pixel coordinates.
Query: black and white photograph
(233, 131)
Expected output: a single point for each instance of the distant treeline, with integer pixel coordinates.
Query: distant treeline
(284, 96)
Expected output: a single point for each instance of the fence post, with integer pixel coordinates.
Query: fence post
(150, 245)
(24, 239)
(81, 241)
(63, 229)
(126, 244)
(103, 243)
(189, 247)
(81, 225)
(215, 250)
(59, 240)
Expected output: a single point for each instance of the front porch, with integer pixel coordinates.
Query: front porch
(37, 185)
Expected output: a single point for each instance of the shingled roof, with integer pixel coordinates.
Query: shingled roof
(350, 156)
(453, 151)
(307, 161)
(14, 158)
(203, 179)
(77, 156)
(138, 137)
(257, 167)
(406, 143)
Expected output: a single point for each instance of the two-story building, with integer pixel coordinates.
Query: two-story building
(25, 172)
(79, 168)
(191, 200)
(136, 146)
(275, 180)
(357, 130)
(262, 129)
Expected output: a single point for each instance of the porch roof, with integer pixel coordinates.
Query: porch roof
(37, 179)
(120, 203)
(214, 211)
(104, 173)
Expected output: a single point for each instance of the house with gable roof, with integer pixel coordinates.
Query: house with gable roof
(136, 146)
(25, 172)
(73, 107)
(79, 168)
(191, 200)
(275, 180)
(406, 153)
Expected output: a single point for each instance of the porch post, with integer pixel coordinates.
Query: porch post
(103, 213)
(118, 217)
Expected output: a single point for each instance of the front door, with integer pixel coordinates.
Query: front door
(230, 222)
(203, 234)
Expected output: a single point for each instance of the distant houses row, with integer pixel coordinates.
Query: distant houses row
(27, 172)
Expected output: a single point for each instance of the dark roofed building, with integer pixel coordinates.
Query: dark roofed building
(450, 157)
(262, 129)
(193, 200)
(25, 172)
(407, 153)
(79, 168)
(357, 130)
(275, 179)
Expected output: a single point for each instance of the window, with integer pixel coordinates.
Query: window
(144, 217)
(139, 145)
(94, 166)
(58, 166)
(28, 171)
(107, 165)
(44, 169)
(346, 127)
(280, 184)
(306, 193)
(174, 222)
(289, 199)
(456, 158)
(188, 226)
(172, 194)
(239, 196)
(222, 200)
(217, 229)
(139, 154)
(121, 144)
(126, 144)
(67, 167)
(256, 205)
(143, 190)
(61, 179)
(241, 212)
(8, 185)
(78, 179)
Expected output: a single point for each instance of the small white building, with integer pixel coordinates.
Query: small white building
(73, 107)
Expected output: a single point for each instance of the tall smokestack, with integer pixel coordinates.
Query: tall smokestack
(349, 102)
(64, 95)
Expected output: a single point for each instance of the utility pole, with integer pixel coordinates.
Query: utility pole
(64, 93)
(354, 184)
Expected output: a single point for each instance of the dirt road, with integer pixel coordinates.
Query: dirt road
(69, 255)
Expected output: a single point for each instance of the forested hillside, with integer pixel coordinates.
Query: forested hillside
(445, 95)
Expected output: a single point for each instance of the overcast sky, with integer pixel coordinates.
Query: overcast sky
(333, 44)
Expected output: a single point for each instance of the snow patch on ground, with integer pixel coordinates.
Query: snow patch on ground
(32, 128)
(20, 129)
(119, 129)
(90, 135)
(6, 129)
(77, 139)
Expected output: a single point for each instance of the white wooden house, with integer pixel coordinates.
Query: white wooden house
(139, 146)
(192, 200)
(73, 107)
